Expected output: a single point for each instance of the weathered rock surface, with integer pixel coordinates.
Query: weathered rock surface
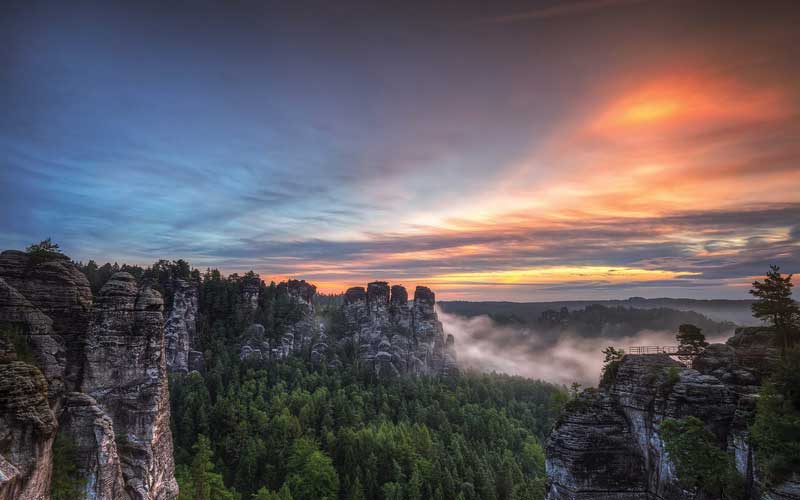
(100, 373)
(27, 430)
(608, 443)
(59, 291)
(92, 431)
(125, 373)
(180, 327)
(301, 333)
(756, 349)
(595, 451)
(395, 336)
(304, 330)
(391, 335)
(248, 299)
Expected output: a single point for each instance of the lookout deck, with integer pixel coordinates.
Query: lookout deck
(671, 350)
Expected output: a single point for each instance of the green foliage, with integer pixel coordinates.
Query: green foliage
(311, 475)
(691, 340)
(12, 334)
(290, 429)
(611, 362)
(284, 430)
(200, 481)
(620, 321)
(265, 494)
(66, 482)
(672, 375)
(44, 251)
(775, 431)
(99, 275)
(774, 303)
(700, 463)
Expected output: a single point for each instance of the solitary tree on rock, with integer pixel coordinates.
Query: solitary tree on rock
(43, 251)
(774, 303)
(691, 341)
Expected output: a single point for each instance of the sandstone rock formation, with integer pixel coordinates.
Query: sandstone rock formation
(301, 331)
(397, 337)
(125, 373)
(97, 373)
(608, 444)
(180, 327)
(248, 300)
(391, 335)
(27, 430)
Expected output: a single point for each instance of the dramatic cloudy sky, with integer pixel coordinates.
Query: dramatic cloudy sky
(493, 150)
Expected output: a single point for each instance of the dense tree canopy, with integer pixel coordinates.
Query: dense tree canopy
(284, 429)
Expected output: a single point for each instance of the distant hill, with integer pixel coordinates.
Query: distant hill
(529, 313)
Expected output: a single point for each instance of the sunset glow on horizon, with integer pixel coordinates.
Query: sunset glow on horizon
(620, 148)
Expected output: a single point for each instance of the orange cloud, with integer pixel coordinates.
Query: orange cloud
(689, 101)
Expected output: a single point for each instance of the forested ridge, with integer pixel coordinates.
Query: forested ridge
(285, 429)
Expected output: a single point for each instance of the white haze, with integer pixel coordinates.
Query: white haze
(483, 345)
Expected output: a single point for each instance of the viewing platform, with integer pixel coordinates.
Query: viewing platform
(671, 350)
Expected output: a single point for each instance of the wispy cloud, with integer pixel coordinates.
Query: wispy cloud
(527, 162)
(561, 9)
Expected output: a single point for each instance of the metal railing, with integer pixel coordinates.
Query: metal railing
(672, 350)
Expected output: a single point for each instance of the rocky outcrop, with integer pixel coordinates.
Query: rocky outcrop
(395, 336)
(125, 373)
(249, 294)
(303, 330)
(756, 349)
(646, 391)
(594, 453)
(180, 327)
(299, 332)
(27, 430)
(91, 431)
(391, 335)
(97, 373)
(57, 290)
(608, 443)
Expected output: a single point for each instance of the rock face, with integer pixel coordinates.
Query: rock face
(395, 336)
(608, 444)
(27, 429)
(97, 373)
(248, 299)
(300, 332)
(303, 331)
(125, 373)
(624, 456)
(391, 335)
(180, 328)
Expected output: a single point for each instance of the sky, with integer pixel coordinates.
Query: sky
(518, 151)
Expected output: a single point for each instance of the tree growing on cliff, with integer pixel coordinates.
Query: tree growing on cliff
(776, 429)
(66, 483)
(774, 303)
(691, 341)
(613, 357)
(700, 464)
(44, 251)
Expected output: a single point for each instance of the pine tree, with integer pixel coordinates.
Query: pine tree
(775, 304)
(691, 341)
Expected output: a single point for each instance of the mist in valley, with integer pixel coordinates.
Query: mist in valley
(484, 345)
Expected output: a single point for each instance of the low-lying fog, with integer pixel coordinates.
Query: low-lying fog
(483, 345)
